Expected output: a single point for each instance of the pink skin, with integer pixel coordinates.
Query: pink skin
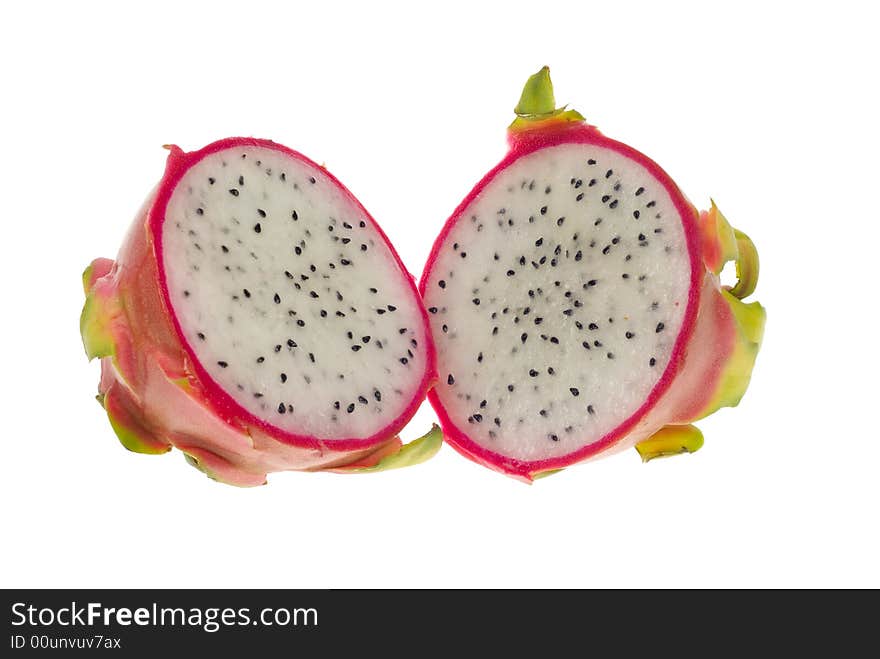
(704, 343)
(155, 385)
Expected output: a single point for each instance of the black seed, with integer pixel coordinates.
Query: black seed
(615, 240)
(510, 273)
(246, 292)
(568, 312)
(609, 173)
(391, 307)
(510, 387)
(539, 242)
(560, 221)
(579, 197)
(380, 311)
(350, 408)
(281, 408)
(363, 247)
(605, 198)
(445, 328)
(278, 348)
(593, 326)
(639, 191)
(610, 355)
(542, 412)
(312, 357)
(533, 373)
(651, 204)
(551, 371)
(543, 210)
(476, 301)
(403, 360)
(636, 214)
(441, 283)
(258, 228)
(294, 215)
(606, 249)
(591, 162)
(313, 295)
(233, 192)
(261, 212)
(377, 395)
(613, 204)
(538, 320)
(555, 340)
(222, 364)
(574, 391)
(211, 180)
(312, 180)
(494, 331)
(277, 298)
(586, 344)
(284, 377)
(432, 309)
(660, 327)
(355, 348)
(362, 400)
(345, 261)
(497, 421)
(365, 339)
(652, 361)
(591, 409)
(291, 343)
(336, 404)
(523, 337)
(201, 336)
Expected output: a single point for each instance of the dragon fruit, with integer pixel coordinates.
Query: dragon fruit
(576, 304)
(258, 319)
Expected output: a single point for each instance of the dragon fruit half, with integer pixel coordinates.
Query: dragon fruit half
(258, 319)
(575, 303)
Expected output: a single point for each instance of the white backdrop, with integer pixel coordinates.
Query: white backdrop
(771, 108)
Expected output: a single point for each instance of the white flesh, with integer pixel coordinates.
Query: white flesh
(363, 371)
(542, 417)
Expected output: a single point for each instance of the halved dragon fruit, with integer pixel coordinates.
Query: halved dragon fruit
(575, 302)
(258, 319)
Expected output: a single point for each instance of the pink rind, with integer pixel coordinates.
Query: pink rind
(522, 145)
(223, 404)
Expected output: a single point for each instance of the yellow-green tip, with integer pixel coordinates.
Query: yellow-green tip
(670, 440)
(537, 105)
(537, 95)
(417, 451)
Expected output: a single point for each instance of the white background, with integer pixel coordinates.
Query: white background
(771, 108)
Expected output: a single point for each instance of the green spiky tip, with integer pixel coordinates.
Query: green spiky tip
(417, 451)
(537, 105)
(94, 328)
(537, 95)
(670, 440)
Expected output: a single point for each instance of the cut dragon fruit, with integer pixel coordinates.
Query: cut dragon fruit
(575, 302)
(259, 320)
